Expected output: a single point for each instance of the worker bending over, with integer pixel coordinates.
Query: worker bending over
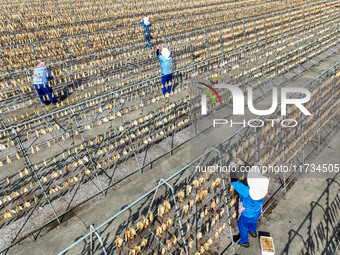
(250, 204)
(164, 57)
(41, 77)
(145, 22)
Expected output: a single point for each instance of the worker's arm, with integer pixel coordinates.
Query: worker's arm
(158, 52)
(242, 189)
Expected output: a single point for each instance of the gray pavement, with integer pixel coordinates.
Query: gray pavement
(306, 220)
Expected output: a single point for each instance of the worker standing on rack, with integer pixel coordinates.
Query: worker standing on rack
(250, 204)
(164, 57)
(147, 25)
(41, 77)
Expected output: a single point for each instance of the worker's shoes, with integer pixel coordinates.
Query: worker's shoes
(245, 245)
(253, 234)
(236, 238)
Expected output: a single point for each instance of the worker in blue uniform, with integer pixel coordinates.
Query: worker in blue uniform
(250, 204)
(41, 76)
(145, 22)
(165, 59)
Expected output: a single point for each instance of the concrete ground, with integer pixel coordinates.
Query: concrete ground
(306, 220)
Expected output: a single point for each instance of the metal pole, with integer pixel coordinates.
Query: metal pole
(152, 84)
(128, 129)
(283, 157)
(256, 145)
(88, 152)
(177, 213)
(33, 172)
(228, 211)
(93, 230)
(159, 240)
(319, 116)
(333, 101)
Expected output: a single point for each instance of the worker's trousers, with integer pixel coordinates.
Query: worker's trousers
(148, 40)
(166, 79)
(245, 223)
(43, 91)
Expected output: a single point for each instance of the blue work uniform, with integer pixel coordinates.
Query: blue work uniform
(147, 34)
(166, 71)
(41, 76)
(251, 213)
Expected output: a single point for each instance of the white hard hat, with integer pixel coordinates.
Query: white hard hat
(166, 53)
(146, 21)
(258, 184)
